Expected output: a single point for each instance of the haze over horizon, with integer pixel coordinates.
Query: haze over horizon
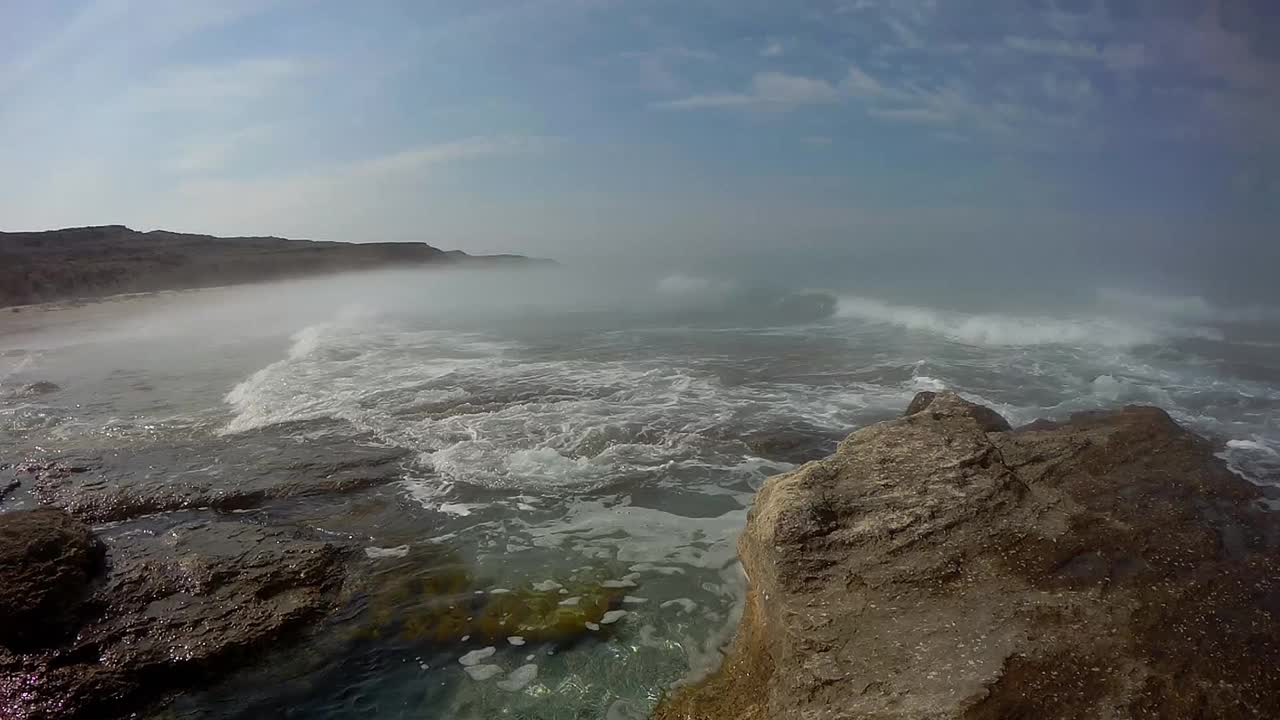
(1119, 130)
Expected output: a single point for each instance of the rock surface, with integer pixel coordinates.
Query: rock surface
(47, 562)
(943, 566)
(223, 474)
(175, 609)
(30, 390)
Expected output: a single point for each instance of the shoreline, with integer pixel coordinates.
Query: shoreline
(105, 261)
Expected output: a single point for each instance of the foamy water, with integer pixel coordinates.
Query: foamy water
(622, 445)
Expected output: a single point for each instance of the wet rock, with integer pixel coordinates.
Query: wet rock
(224, 474)
(47, 563)
(35, 389)
(988, 420)
(795, 444)
(175, 610)
(48, 470)
(1108, 566)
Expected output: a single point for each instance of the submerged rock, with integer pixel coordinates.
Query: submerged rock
(796, 444)
(224, 474)
(35, 389)
(174, 611)
(942, 566)
(443, 605)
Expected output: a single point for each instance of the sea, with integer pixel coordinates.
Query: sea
(577, 427)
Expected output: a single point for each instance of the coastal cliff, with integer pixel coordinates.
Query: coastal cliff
(944, 565)
(111, 259)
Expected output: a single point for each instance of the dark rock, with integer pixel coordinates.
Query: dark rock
(47, 563)
(989, 420)
(34, 389)
(176, 610)
(166, 478)
(48, 470)
(1106, 567)
(797, 445)
(920, 402)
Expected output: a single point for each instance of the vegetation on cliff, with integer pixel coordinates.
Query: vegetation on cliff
(111, 259)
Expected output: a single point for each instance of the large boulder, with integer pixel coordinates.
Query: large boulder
(942, 566)
(48, 561)
(178, 607)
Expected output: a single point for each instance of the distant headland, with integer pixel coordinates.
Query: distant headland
(89, 262)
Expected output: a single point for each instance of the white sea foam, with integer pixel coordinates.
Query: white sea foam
(1113, 389)
(378, 553)
(997, 329)
(693, 288)
(685, 604)
(475, 657)
(1256, 459)
(479, 415)
(1255, 445)
(519, 678)
(1186, 308)
(481, 673)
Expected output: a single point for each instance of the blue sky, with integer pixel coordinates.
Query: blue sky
(575, 126)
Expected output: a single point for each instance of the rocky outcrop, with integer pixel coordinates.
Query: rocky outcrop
(174, 609)
(30, 390)
(109, 487)
(944, 566)
(110, 259)
(47, 562)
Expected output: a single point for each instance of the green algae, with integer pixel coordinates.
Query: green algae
(439, 602)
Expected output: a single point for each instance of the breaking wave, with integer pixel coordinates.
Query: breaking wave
(999, 329)
(1181, 308)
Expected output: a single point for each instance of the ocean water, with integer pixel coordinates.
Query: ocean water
(567, 430)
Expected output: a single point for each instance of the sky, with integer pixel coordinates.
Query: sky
(563, 127)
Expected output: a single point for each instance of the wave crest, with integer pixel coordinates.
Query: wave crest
(998, 329)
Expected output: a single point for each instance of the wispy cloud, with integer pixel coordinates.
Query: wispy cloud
(860, 83)
(769, 90)
(145, 22)
(345, 182)
(913, 116)
(661, 69)
(418, 158)
(210, 86)
(213, 153)
(773, 49)
(1118, 56)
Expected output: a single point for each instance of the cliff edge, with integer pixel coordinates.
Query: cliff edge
(90, 262)
(943, 565)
